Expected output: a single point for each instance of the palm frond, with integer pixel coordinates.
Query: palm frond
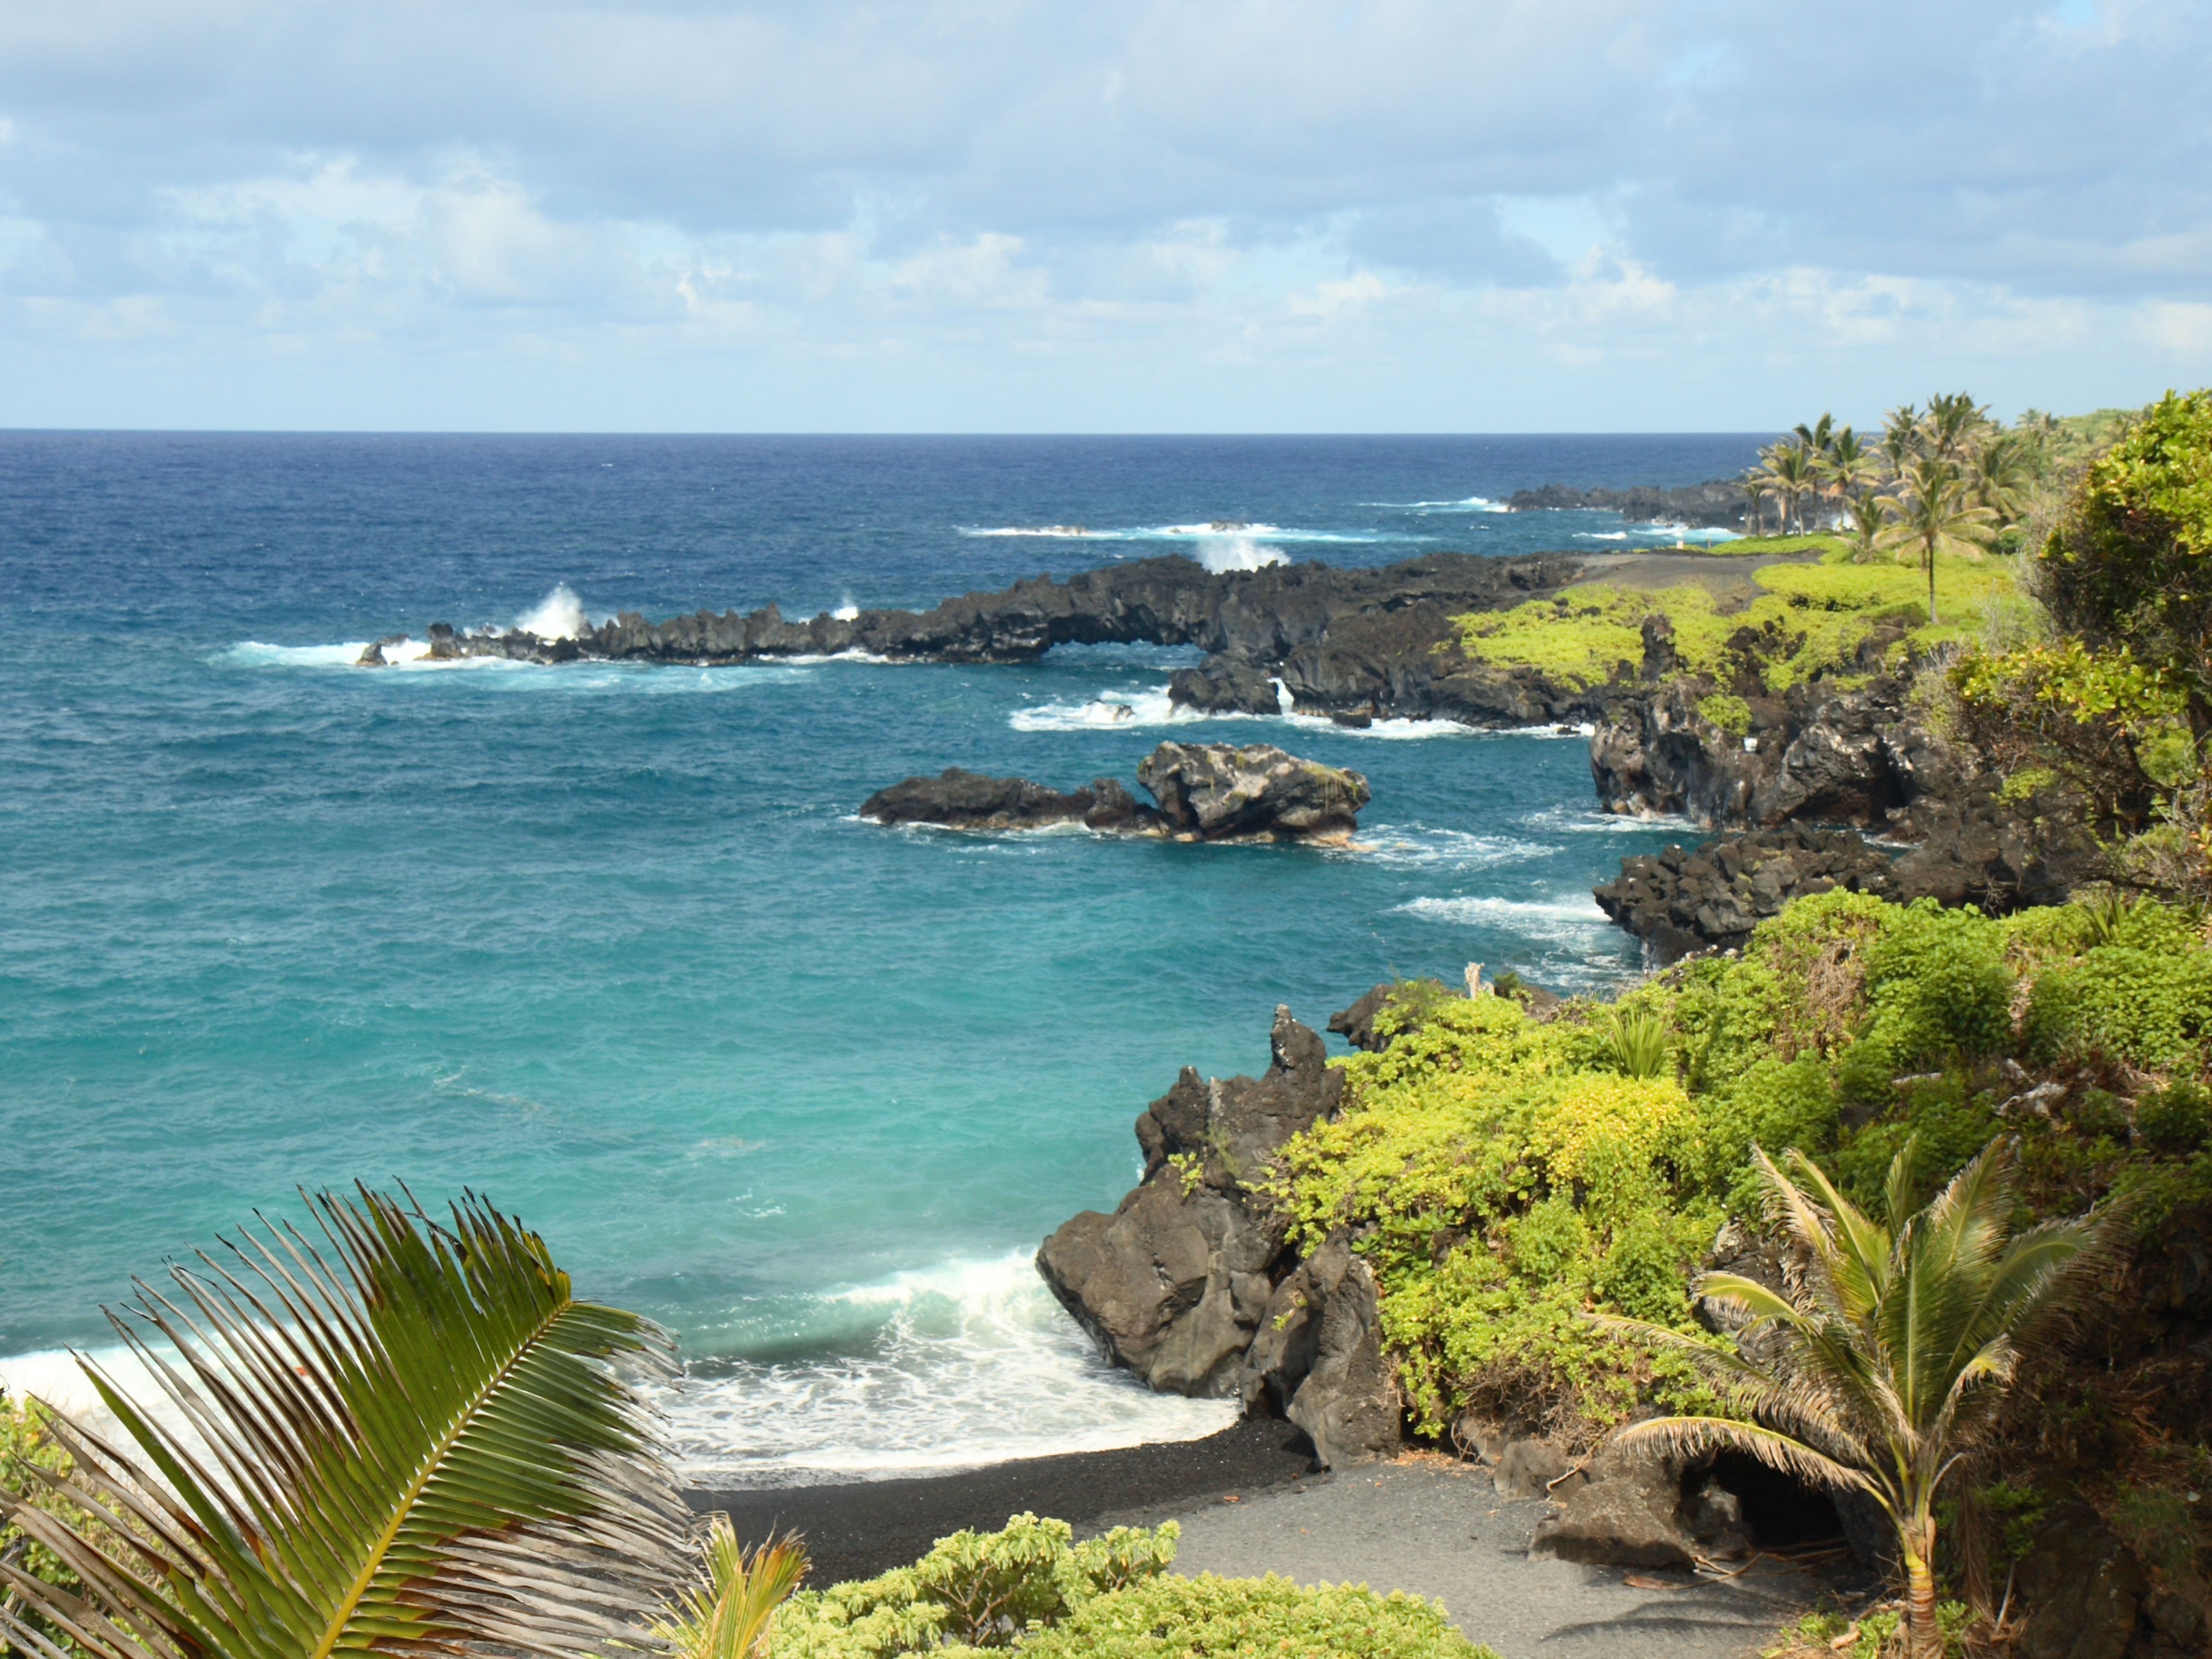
(405, 1434)
(1694, 1437)
(727, 1614)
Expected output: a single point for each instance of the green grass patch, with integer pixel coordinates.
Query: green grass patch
(1817, 542)
(1810, 618)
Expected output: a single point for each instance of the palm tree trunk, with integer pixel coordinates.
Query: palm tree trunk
(1931, 584)
(1924, 1638)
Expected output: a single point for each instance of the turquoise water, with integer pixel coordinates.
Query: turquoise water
(608, 944)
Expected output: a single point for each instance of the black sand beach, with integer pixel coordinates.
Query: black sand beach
(858, 1530)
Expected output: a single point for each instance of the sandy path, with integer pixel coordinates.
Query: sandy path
(1440, 1530)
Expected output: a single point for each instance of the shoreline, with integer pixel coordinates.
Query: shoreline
(859, 1528)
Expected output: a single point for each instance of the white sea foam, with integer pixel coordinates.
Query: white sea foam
(1109, 709)
(558, 616)
(1420, 847)
(1465, 504)
(1600, 535)
(1211, 530)
(849, 608)
(976, 1363)
(407, 653)
(1224, 553)
(1577, 820)
(1561, 920)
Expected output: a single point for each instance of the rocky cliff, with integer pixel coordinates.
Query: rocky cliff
(1719, 504)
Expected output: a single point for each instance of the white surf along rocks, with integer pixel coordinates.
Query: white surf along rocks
(1191, 1283)
(1205, 792)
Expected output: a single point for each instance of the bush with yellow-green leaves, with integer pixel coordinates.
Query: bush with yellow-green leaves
(1505, 1177)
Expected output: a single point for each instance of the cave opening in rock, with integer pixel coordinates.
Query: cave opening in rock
(1778, 1512)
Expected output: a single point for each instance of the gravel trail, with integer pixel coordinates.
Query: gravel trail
(1440, 1530)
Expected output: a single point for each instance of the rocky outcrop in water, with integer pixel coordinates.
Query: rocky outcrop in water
(955, 799)
(1189, 1283)
(1206, 792)
(1256, 617)
(1219, 792)
(1720, 504)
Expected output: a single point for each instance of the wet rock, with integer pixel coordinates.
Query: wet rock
(1175, 1283)
(1224, 685)
(956, 799)
(1221, 792)
(2081, 1587)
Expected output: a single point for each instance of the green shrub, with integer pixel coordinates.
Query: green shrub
(2178, 1120)
(2160, 1525)
(2149, 1007)
(1270, 1618)
(1728, 711)
(973, 1591)
(1636, 1042)
(1939, 985)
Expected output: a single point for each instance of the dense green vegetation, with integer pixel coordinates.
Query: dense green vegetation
(1807, 620)
(1506, 1175)
(1030, 1589)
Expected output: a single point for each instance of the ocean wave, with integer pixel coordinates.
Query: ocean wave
(974, 1363)
(558, 616)
(1572, 920)
(1421, 847)
(1211, 530)
(1465, 504)
(1590, 820)
(1108, 710)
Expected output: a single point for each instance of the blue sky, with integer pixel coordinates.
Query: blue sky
(1038, 215)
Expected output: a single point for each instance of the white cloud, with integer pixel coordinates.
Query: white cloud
(1644, 189)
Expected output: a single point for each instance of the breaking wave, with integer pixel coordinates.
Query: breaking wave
(971, 1362)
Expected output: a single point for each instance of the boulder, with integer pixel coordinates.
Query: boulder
(1628, 1515)
(2082, 1588)
(1221, 792)
(1174, 1284)
(1527, 1468)
(1318, 1359)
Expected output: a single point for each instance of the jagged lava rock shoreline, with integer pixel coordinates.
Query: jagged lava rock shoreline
(1206, 792)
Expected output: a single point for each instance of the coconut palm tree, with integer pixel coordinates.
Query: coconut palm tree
(1930, 514)
(1792, 473)
(380, 1431)
(1900, 438)
(1818, 436)
(1849, 468)
(1953, 423)
(1892, 1355)
(1755, 492)
(1868, 519)
(2001, 473)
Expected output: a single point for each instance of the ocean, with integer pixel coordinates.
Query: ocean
(609, 944)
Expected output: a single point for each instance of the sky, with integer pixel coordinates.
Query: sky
(1019, 216)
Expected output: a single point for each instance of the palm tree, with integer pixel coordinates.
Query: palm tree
(1796, 475)
(1755, 492)
(1900, 438)
(1952, 423)
(1850, 467)
(408, 1434)
(1930, 513)
(2002, 472)
(1869, 519)
(1895, 1352)
(1817, 436)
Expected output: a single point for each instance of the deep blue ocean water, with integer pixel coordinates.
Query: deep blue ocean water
(608, 943)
